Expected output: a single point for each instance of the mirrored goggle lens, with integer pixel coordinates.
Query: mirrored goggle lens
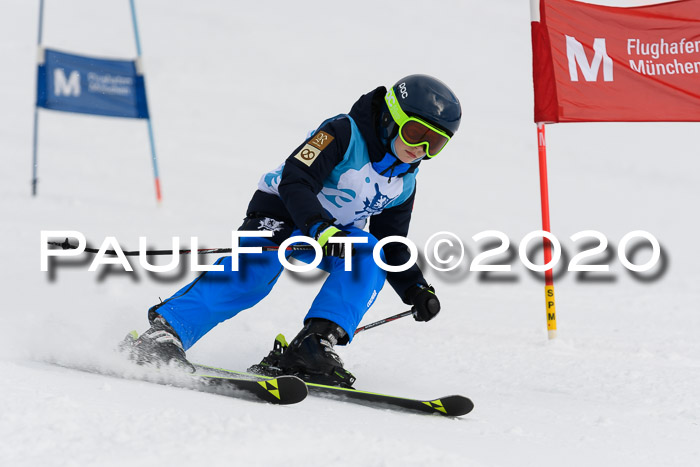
(414, 132)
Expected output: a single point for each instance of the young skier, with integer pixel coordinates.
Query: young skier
(354, 169)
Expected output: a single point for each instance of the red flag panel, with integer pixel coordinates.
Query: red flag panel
(595, 63)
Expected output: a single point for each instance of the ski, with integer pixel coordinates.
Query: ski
(449, 406)
(280, 390)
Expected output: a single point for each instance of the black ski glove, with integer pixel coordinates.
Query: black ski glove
(425, 303)
(323, 233)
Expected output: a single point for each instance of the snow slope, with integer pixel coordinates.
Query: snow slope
(233, 87)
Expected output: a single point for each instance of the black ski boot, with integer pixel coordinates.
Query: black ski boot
(159, 346)
(310, 356)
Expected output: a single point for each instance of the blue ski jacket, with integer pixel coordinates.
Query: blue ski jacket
(346, 173)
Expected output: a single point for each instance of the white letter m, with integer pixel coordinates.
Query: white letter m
(575, 54)
(66, 87)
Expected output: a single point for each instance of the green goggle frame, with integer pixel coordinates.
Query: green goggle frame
(416, 135)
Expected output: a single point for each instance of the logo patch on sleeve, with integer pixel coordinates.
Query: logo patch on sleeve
(314, 147)
(321, 140)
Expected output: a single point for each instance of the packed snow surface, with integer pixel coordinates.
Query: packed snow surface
(233, 88)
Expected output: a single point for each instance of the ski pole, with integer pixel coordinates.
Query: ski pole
(66, 245)
(384, 321)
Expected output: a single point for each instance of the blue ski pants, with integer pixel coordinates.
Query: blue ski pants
(215, 296)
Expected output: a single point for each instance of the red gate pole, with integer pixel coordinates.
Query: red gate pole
(544, 195)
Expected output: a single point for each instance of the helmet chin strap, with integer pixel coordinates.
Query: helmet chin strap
(388, 128)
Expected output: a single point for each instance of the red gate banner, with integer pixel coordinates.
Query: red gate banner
(595, 63)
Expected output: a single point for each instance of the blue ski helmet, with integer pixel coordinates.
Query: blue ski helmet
(429, 99)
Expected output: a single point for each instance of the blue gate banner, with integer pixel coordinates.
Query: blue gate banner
(74, 83)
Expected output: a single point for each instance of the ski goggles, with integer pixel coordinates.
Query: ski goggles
(414, 131)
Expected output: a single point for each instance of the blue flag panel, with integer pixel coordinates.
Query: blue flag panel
(74, 83)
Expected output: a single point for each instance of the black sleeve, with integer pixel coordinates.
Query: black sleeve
(307, 167)
(395, 221)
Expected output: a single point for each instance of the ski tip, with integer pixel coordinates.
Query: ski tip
(451, 406)
(284, 390)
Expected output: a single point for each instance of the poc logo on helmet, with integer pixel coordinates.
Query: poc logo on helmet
(403, 90)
